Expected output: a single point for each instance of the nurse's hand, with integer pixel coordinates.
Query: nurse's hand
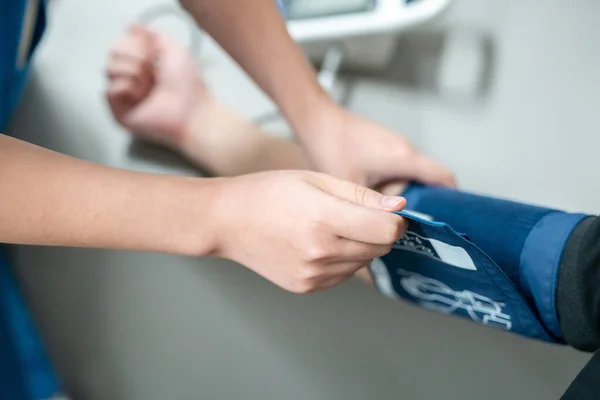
(304, 231)
(352, 148)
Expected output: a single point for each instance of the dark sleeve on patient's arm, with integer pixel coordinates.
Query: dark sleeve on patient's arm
(578, 290)
(578, 303)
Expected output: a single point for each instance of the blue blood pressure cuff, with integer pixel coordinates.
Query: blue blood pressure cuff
(490, 260)
(22, 24)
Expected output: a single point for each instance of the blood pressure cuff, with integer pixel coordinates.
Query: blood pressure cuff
(25, 370)
(490, 260)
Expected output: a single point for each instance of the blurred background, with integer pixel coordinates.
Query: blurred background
(504, 92)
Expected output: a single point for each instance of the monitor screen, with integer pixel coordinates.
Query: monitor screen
(302, 9)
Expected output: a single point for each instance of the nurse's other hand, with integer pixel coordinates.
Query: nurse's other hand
(154, 86)
(355, 149)
(304, 231)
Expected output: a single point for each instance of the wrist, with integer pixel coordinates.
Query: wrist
(197, 219)
(322, 133)
(195, 131)
(317, 115)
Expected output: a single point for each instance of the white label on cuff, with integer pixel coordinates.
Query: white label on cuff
(452, 255)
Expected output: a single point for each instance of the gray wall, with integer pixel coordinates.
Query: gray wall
(141, 326)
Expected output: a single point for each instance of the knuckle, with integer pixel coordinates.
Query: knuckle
(322, 217)
(308, 272)
(360, 194)
(316, 252)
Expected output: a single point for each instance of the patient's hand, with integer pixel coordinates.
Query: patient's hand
(154, 86)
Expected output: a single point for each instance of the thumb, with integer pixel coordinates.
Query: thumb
(360, 195)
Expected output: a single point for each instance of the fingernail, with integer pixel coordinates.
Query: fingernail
(391, 201)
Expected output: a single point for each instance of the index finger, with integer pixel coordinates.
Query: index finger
(362, 224)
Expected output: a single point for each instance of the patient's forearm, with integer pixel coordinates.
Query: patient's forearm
(50, 199)
(228, 145)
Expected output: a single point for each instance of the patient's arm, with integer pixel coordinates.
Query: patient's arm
(169, 103)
